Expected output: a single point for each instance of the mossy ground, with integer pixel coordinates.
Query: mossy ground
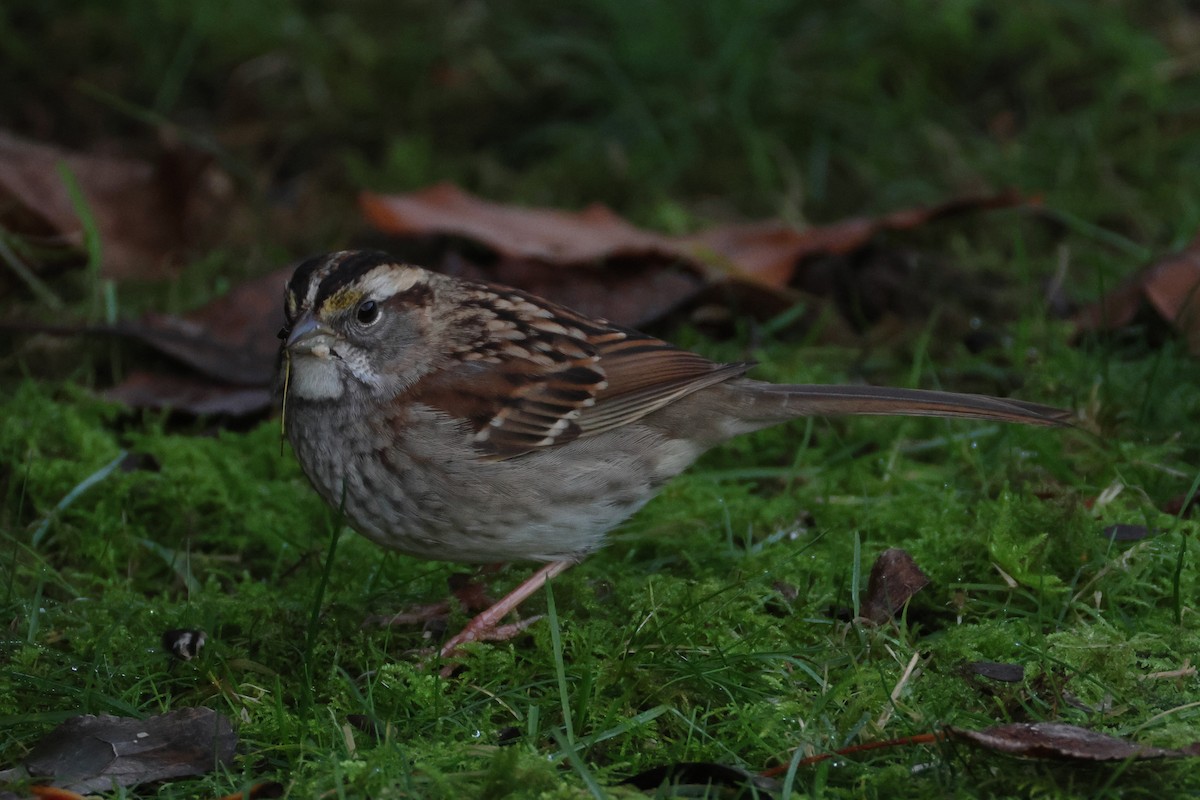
(684, 639)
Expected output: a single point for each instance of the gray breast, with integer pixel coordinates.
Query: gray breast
(422, 489)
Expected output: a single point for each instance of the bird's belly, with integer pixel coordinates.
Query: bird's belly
(505, 512)
(432, 497)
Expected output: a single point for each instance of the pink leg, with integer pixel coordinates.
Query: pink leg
(486, 626)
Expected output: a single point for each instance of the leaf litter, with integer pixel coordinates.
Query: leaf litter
(95, 753)
(146, 212)
(1167, 290)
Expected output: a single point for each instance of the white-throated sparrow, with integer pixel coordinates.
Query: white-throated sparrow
(472, 422)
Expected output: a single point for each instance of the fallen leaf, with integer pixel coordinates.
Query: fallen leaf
(142, 209)
(1051, 741)
(232, 343)
(54, 793)
(189, 394)
(770, 252)
(634, 293)
(625, 274)
(1061, 742)
(895, 578)
(532, 245)
(232, 339)
(550, 235)
(94, 753)
(1170, 287)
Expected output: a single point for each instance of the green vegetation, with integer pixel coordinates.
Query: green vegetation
(716, 626)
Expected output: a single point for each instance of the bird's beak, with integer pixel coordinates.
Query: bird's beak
(309, 335)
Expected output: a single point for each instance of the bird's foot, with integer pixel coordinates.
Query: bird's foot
(486, 627)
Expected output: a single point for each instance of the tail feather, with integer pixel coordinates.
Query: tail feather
(784, 401)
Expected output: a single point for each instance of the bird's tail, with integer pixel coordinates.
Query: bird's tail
(770, 403)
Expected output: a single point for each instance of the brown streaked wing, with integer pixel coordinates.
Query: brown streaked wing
(566, 376)
(514, 405)
(646, 374)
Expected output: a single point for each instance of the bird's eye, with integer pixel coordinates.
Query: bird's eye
(367, 313)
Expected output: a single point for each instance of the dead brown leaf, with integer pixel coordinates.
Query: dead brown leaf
(92, 753)
(232, 339)
(1050, 741)
(533, 245)
(1170, 287)
(191, 394)
(624, 274)
(771, 252)
(55, 793)
(230, 343)
(895, 578)
(229, 346)
(141, 208)
(630, 293)
(550, 235)
(1057, 741)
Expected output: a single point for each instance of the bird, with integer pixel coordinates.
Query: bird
(472, 422)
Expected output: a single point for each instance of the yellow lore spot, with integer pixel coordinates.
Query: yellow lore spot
(342, 300)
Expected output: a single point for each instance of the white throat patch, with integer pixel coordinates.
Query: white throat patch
(315, 378)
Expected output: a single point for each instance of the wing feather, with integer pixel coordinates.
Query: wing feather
(546, 375)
